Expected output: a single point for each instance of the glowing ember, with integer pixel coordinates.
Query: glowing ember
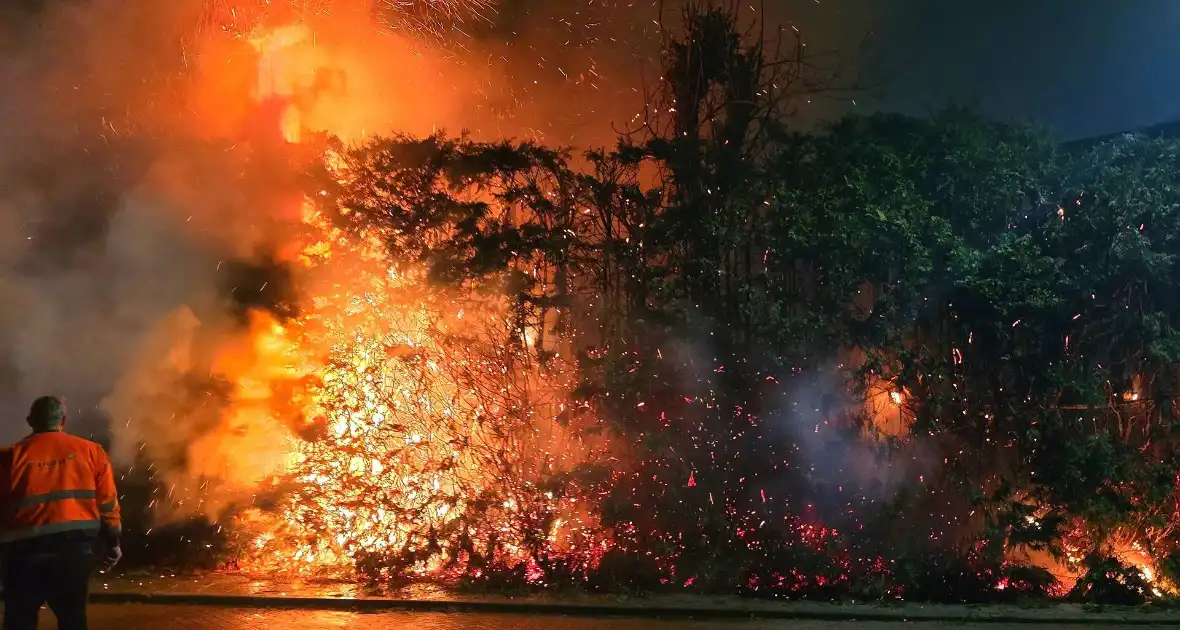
(418, 17)
(406, 428)
(382, 425)
(385, 426)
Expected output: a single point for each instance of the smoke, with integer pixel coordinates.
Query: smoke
(838, 429)
(84, 269)
(143, 166)
(144, 169)
(832, 447)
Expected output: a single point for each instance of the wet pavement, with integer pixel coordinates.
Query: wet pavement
(221, 600)
(137, 617)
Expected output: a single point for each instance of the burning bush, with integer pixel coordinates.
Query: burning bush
(894, 357)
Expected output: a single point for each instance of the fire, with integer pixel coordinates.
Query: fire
(1070, 565)
(884, 404)
(275, 81)
(411, 413)
(386, 425)
(326, 66)
(408, 424)
(395, 443)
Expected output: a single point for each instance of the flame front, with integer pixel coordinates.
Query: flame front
(400, 429)
(384, 425)
(380, 425)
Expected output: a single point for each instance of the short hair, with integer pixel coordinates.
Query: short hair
(47, 412)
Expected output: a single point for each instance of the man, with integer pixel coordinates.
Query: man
(57, 499)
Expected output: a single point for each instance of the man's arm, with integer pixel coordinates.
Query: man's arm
(108, 499)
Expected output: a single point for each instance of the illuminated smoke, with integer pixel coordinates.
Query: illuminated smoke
(170, 162)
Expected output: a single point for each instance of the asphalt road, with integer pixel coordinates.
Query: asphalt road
(137, 616)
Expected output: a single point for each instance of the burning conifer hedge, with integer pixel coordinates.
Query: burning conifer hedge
(892, 358)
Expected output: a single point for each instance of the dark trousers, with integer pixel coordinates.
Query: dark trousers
(60, 579)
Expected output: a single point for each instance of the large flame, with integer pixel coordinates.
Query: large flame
(381, 419)
(402, 415)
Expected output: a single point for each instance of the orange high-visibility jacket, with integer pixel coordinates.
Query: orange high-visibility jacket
(54, 482)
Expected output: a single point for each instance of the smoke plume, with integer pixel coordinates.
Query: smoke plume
(146, 173)
(147, 163)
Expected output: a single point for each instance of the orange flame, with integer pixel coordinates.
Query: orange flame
(380, 418)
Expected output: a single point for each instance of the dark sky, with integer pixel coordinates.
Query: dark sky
(1078, 67)
(1081, 67)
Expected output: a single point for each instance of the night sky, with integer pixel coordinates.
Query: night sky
(1080, 67)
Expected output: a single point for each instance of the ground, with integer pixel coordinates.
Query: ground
(231, 602)
(141, 616)
(242, 591)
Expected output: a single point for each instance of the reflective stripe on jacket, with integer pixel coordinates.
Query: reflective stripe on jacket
(54, 482)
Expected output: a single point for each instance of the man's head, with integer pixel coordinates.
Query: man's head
(48, 413)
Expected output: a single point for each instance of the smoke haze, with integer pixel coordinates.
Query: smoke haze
(114, 211)
(145, 165)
